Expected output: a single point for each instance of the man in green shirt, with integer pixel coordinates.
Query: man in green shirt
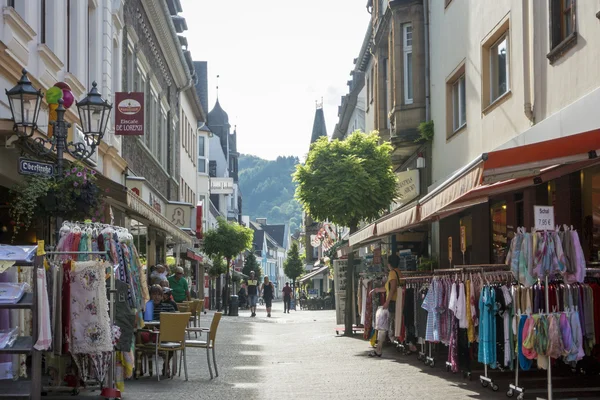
(179, 286)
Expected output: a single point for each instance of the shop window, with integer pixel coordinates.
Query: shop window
(499, 232)
(499, 68)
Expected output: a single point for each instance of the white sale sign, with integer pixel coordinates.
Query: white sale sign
(544, 218)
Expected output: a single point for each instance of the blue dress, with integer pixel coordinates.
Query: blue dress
(487, 327)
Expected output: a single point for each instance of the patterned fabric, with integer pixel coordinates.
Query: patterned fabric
(91, 332)
(487, 327)
(66, 307)
(432, 332)
(44, 339)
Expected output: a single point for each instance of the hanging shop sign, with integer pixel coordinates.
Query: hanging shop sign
(31, 167)
(450, 249)
(129, 113)
(408, 187)
(180, 214)
(463, 239)
(544, 218)
(199, 222)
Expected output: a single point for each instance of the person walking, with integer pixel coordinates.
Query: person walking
(287, 297)
(391, 286)
(267, 291)
(252, 288)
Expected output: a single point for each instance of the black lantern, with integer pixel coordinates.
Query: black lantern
(94, 113)
(25, 104)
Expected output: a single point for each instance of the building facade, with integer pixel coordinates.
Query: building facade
(72, 42)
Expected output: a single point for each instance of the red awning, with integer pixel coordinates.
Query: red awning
(531, 159)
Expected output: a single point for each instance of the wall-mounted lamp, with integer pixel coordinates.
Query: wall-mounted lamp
(420, 161)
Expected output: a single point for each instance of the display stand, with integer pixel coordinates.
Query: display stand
(108, 391)
(30, 389)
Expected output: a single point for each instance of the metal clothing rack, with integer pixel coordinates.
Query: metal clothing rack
(110, 389)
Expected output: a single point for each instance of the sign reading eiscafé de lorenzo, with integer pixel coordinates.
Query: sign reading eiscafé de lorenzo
(129, 113)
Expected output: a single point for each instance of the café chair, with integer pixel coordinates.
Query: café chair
(170, 338)
(208, 344)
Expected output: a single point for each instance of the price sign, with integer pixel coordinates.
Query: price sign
(450, 249)
(544, 218)
(463, 239)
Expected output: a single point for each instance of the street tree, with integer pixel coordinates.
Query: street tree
(251, 264)
(227, 241)
(293, 266)
(346, 182)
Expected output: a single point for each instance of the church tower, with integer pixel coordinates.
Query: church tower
(311, 227)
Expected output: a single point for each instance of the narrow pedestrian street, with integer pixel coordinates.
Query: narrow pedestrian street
(299, 356)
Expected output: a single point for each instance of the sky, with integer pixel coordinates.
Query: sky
(275, 59)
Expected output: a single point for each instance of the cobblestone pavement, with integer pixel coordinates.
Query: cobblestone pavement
(299, 356)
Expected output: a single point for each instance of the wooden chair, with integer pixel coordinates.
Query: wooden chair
(209, 344)
(170, 338)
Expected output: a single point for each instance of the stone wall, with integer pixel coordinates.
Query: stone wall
(140, 160)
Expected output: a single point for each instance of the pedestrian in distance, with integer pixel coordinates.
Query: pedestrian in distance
(287, 297)
(179, 286)
(252, 288)
(267, 291)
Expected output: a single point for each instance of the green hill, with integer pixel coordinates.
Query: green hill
(268, 190)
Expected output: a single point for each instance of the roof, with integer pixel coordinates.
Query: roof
(201, 68)
(277, 232)
(314, 273)
(259, 239)
(319, 128)
(217, 116)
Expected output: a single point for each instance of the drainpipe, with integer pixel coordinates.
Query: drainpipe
(527, 57)
(426, 37)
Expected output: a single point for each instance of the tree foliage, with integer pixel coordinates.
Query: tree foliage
(251, 264)
(293, 266)
(219, 267)
(269, 191)
(346, 181)
(228, 240)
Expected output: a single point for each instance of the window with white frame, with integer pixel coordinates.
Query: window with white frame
(407, 31)
(459, 104)
(499, 74)
(201, 154)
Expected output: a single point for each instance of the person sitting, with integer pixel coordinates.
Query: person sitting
(159, 274)
(168, 298)
(157, 302)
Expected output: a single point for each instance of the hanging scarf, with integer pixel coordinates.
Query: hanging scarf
(555, 342)
(527, 337)
(524, 362)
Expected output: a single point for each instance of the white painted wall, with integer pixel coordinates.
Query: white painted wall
(457, 34)
(188, 158)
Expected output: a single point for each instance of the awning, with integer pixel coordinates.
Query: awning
(513, 169)
(531, 159)
(450, 191)
(398, 220)
(139, 206)
(190, 254)
(314, 273)
(362, 235)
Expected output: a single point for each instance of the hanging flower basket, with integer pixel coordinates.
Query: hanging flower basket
(73, 196)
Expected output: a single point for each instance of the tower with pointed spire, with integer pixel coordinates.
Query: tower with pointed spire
(310, 226)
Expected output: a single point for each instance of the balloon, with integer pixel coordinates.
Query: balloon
(62, 85)
(53, 95)
(68, 98)
(52, 115)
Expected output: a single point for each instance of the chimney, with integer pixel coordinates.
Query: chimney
(261, 221)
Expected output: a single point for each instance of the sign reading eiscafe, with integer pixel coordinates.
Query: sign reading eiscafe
(129, 113)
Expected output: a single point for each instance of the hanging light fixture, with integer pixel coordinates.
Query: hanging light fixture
(24, 102)
(94, 113)
(420, 161)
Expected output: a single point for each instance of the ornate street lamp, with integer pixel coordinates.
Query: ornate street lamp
(94, 113)
(25, 104)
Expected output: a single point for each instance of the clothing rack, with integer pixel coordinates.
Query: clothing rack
(111, 372)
